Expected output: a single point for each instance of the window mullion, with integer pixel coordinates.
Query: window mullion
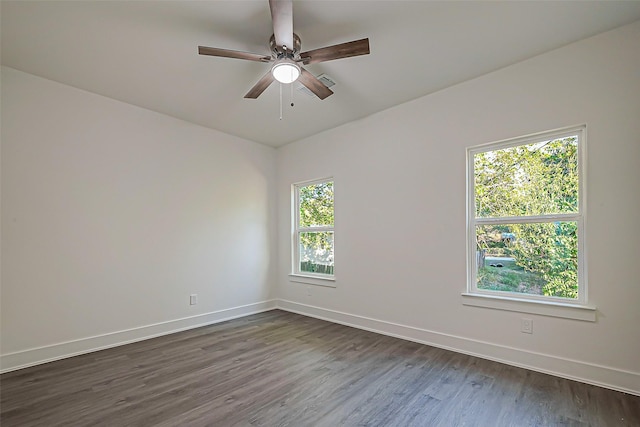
(528, 219)
(315, 229)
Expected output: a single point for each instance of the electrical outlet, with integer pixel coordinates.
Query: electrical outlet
(308, 291)
(193, 299)
(526, 326)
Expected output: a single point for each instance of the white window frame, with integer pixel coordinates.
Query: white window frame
(296, 274)
(571, 308)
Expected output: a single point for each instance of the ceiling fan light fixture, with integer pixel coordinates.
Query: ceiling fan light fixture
(285, 71)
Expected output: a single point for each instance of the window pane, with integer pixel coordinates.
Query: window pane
(534, 259)
(316, 205)
(533, 179)
(316, 252)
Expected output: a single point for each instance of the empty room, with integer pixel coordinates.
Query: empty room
(320, 213)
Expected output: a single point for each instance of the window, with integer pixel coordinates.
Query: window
(525, 218)
(313, 229)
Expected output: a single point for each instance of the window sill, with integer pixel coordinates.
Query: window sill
(313, 280)
(543, 308)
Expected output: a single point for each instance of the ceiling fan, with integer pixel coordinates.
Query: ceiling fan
(286, 56)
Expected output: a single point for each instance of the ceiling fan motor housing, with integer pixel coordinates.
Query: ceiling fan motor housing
(279, 52)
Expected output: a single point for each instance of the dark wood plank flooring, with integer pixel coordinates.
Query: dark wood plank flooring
(283, 369)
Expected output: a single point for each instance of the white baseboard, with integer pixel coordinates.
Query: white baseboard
(36, 356)
(602, 376)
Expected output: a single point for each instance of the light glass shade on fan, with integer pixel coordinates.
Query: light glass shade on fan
(286, 71)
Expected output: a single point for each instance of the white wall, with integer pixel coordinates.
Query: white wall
(113, 215)
(400, 211)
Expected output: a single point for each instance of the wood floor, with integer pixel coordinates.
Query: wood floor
(282, 369)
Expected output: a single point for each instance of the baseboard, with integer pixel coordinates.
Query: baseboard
(602, 376)
(37, 356)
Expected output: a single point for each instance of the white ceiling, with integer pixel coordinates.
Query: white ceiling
(145, 52)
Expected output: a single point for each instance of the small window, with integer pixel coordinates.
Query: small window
(313, 247)
(525, 218)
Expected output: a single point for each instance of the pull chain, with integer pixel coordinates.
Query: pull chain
(291, 98)
(280, 101)
(291, 94)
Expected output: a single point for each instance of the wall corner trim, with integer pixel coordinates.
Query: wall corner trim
(36, 356)
(589, 373)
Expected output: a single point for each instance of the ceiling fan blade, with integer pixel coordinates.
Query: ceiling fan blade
(314, 85)
(226, 53)
(329, 53)
(260, 87)
(282, 17)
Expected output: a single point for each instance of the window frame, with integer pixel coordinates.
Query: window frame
(296, 274)
(579, 217)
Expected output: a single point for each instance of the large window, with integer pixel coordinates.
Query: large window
(313, 228)
(525, 218)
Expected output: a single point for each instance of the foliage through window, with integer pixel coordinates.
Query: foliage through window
(525, 223)
(313, 228)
